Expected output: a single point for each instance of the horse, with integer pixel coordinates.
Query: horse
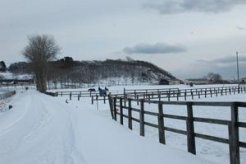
(92, 90)
(102, 92)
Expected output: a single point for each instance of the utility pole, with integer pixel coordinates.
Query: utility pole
(237, 68)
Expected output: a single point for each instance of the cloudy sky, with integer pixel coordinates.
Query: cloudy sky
(188, 38)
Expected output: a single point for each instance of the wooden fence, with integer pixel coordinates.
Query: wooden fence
(80, 94)
(166, 94)
(177, 94)
(118, 108)
(174, 94)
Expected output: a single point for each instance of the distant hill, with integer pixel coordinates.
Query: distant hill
(120, 71)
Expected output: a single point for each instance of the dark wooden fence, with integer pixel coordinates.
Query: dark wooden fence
(118, 108)
(165, 94)
(81, 94)
(76, 94)
(136, 92)
(174, 94)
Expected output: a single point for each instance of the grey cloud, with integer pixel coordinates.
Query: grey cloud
(226, 60)
(207, 6)
(225, 66)
(240, 28)
(158, 48)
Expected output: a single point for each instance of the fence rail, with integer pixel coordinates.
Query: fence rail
(166, 94)
(117, 108)
(176, 94)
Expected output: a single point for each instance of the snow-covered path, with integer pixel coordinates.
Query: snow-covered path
(33, 132)
(43, 130)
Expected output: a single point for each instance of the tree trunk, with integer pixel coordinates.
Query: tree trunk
(41, 81)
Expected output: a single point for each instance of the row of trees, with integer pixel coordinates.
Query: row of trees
(214, 77)
(94, 71)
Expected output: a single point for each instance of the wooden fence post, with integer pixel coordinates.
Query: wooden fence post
(129, 114)
(159, 96)
(97, 98)
(168, 95)
(110, 101)
(190, 129)
(115, 110)
(141, 118)
(121, 112)
(149, 98)
(161, 124)
(234, 136)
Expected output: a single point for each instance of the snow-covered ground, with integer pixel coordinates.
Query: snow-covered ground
(209, 150)
(43, 129)
(2, 91)
(9, 75)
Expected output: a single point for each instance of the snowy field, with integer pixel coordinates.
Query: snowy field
(47, 130)
(2, 91)
(209, 150)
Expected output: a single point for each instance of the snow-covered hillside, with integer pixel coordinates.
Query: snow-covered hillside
(45, 130)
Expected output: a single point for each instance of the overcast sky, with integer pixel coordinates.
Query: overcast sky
(188, 38)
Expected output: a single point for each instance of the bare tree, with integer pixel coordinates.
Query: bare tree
(3, 67)
(40, 50)
(214, 77)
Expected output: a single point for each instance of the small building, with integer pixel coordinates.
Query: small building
(197, 81)
(175, 82)
(163, 82)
